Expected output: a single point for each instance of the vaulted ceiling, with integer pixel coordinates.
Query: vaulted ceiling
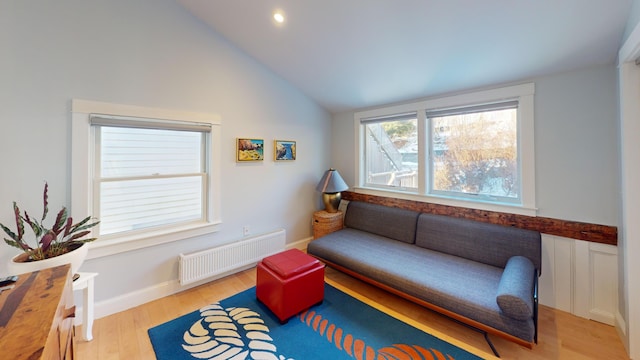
(352, 54)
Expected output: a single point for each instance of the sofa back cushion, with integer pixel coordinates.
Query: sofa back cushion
(487, 243)
(393, 223)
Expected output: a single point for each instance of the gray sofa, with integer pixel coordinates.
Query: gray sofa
(480, 274)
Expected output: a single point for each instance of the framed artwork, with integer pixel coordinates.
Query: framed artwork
(284, 150)
(249, 149)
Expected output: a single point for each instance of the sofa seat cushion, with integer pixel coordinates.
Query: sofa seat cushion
(465, 287)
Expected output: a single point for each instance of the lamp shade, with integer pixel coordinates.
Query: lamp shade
(331, 182)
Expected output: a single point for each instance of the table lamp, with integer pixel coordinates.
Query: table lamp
(330, 186)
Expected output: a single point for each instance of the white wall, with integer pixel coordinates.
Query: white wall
(152, 54)
(576, 146)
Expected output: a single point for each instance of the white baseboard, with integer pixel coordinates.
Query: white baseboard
(300, 244)
(621, 324)
(151, 293)
(621, 329)
(604, 317)
(135, 298)
(130, 300)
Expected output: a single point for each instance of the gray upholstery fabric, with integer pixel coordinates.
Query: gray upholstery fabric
(515, 289)
(393, 223)
(463, 286)
(487, 243)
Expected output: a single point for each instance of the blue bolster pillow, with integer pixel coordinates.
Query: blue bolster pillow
(515, 291)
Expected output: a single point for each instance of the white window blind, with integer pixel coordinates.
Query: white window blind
(389, 118)
(149, 173)
(473, 109)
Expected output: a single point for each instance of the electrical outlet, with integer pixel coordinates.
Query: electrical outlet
(245, 230)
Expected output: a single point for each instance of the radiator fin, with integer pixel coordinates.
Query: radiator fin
(207, 263)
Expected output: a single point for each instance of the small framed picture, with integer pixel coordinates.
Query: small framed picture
(284, 150)
(249, 149)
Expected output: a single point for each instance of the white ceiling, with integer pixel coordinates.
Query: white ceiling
(351, 54)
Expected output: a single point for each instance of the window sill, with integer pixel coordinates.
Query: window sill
(115, 245)
(504, 208)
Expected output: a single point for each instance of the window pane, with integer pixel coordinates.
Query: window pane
(392, 153)
(476, 154)
(127, 152)
(138, 204)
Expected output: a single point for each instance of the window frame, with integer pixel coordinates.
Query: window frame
(82, 182)
(379, 120)
(523, 93)
(474, 109)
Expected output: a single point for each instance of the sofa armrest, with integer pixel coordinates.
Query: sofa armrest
(515, 291)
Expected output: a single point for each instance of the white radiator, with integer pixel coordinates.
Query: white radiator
(207, 263)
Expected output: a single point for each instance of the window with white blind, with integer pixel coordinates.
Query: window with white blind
(473, 150)
(152, 175)
(148, 176)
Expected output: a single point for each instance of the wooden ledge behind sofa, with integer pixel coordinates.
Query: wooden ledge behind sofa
(602, 234)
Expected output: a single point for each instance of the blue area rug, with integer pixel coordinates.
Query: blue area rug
(342, 327)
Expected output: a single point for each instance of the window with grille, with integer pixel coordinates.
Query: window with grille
(148, 176)
(463, 149)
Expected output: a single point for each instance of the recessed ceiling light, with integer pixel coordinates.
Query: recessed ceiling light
(278, 16)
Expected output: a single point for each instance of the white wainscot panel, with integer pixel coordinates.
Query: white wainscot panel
(604, 289)
(556, 279)
(579, 277)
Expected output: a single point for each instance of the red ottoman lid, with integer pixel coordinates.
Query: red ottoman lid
(290, 262)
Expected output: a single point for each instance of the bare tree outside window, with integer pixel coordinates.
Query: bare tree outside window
(476, 153)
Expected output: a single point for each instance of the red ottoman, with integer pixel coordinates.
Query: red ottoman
(289, 282)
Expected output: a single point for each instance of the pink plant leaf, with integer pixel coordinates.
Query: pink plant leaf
(27, 219)
(35, 226)
(77, 236)
(61, 218)
(19, 223)
(45, 197)
(46, 241)
(67, 228)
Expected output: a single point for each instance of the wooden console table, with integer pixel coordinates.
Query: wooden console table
(36, 316)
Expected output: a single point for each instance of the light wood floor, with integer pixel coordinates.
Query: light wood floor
(561, 335)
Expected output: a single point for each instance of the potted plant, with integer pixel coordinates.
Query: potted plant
(62, 243)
